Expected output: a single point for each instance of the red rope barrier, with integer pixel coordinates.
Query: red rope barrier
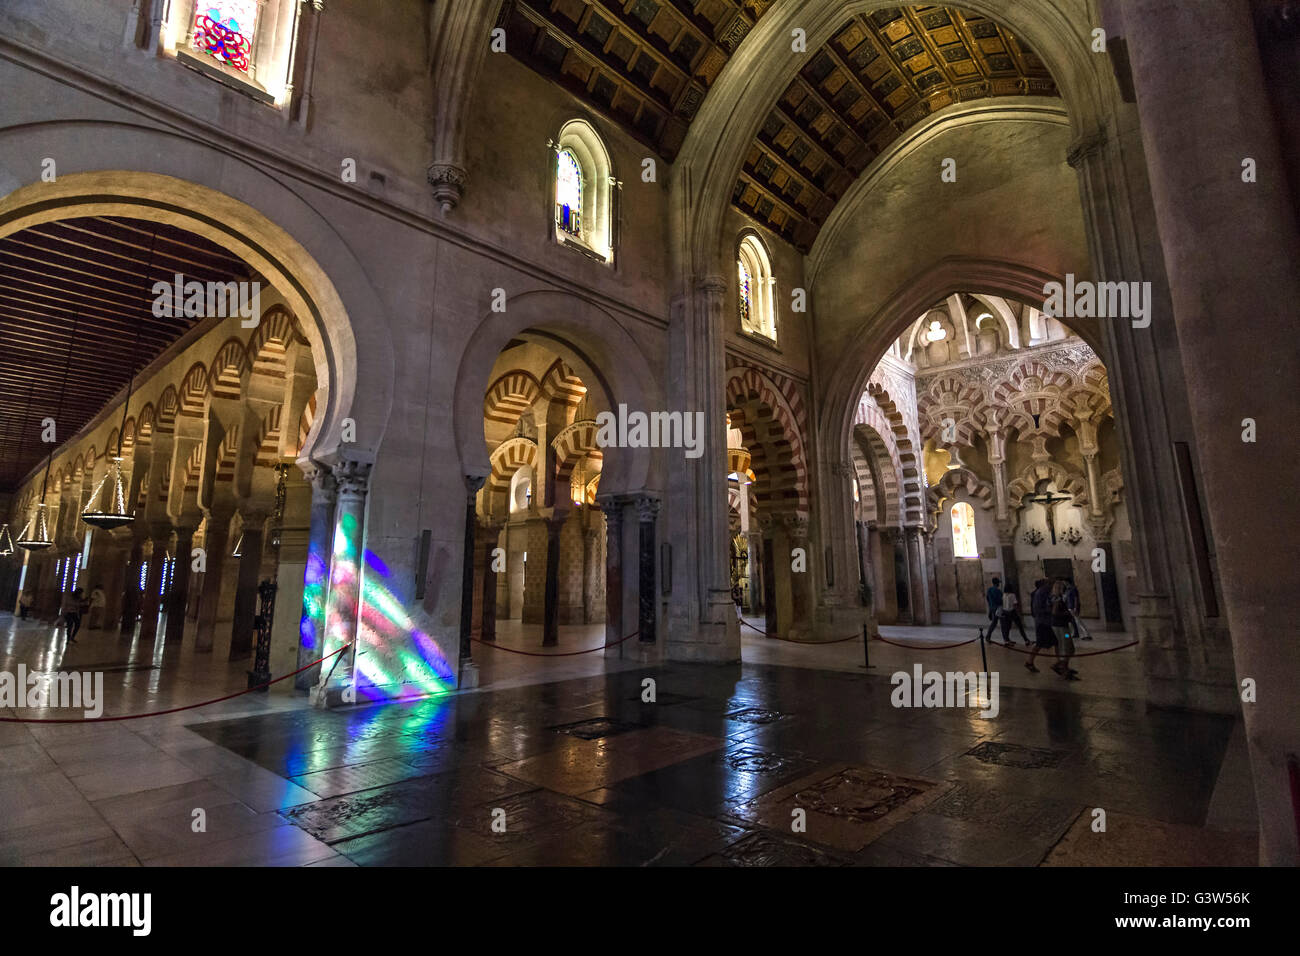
(925, 647)
(173, 710)
(590, 650)
(1052, 650)
(791, 640)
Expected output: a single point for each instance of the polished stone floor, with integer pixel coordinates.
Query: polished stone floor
(770, 762)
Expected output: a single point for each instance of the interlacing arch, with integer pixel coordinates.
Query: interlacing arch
(509, 456)
(913, 503)
(956, 480)
(950, 397)
(1067, 480)
(778, 459)
(1034, 396)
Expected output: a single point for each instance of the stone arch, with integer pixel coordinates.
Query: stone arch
(878, 446)
(778, 460)
(512, 394)
(193, 389)
(960, 479)
(227, 372)
(752, 81)
(950, 396)
(168, 407)
(908, 458)
(1067, 480)
(572, 445)
(144, 424)
(593, 343)
(242, 208)
(268, 346)
(506, 459)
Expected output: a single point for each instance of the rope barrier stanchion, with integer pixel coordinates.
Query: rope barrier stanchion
(791, 640)
(171, 710)
(866, 647)
(590, 650)
(984, 657)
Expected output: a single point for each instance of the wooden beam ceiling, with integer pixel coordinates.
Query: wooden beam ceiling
(98, 270)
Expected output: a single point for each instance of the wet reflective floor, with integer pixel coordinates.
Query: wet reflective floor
(729, 766)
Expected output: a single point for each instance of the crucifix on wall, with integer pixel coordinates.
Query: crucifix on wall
(1048, 501)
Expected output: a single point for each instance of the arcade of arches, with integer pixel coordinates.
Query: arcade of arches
(655, 210)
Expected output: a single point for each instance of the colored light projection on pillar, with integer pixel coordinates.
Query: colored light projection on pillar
(315, 588)
(395, 660)
(388, 632)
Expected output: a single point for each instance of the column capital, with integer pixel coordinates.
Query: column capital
(796, 524)
(712, 285)
(352, 478)
(647, 508)
(473, 483)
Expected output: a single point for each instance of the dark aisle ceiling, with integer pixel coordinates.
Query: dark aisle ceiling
(94, 268)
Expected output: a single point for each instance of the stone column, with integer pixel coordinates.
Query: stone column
(216, 542)
(467, 672)
(250, 569)
(591, 569)
(613, 509)
(551, 600)
(131, 586)
(343, 604)
(767, 527)
(488, 599)
(647, 509)
(151, 599)
(1230, 249)
(801, 584)
(754, 542)
(316, 577)
(180, 591)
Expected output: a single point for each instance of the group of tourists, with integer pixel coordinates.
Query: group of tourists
(1054, 606)
(74, 606)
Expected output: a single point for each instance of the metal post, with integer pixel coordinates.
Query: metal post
(983, 656)
(866, 647)
(260, 675)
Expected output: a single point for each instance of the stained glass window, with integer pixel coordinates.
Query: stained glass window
(568, 193)
(224, 30)
(746, 295)
(963, 531)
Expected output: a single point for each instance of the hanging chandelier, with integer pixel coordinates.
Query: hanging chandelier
(40, 539)
(95, 515)
(117, 515)
(6, 541)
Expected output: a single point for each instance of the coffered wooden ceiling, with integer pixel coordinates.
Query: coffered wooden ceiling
(646, 63)
(649, 64)
(98, 271)
(881, 73)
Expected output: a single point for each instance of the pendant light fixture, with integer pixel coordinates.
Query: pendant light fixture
(6, 539)
(40, 539)
(117, 515)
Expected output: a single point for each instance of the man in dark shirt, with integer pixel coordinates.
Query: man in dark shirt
(1040, 606)
(994, 598)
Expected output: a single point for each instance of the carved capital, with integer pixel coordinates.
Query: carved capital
(712, 286)
(796, 525)
(647, 509)
(448, 181)
(352, 479)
